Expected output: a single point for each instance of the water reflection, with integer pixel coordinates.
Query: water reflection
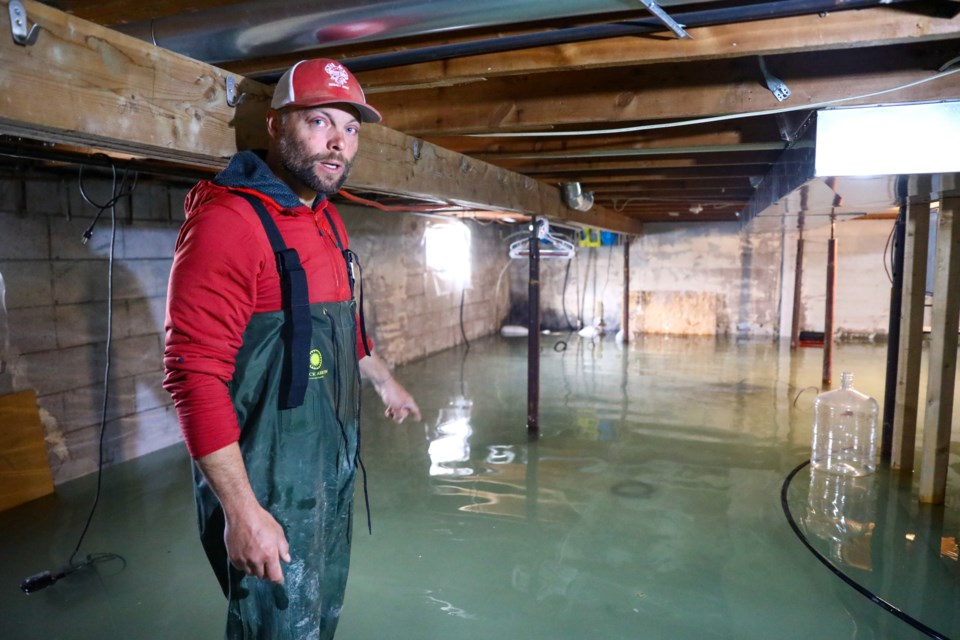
(450, 439)
(598, 528)
(841, 510)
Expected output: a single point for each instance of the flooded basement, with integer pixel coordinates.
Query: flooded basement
(648, 507)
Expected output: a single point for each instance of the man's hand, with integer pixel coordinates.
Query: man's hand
(399, 403)
(255, 540)
(256, 543)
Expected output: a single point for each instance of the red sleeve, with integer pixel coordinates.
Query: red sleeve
(211, 297)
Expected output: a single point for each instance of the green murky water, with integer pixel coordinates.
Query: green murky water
(648, 507)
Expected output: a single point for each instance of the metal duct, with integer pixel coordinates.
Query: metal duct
(576, 198)
(701, 18)
(256, 29)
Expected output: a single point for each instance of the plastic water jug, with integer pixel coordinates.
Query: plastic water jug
(845, 431)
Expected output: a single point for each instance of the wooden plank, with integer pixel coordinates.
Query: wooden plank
(604, 98)
(86, 85)
(82, 84)
(943, 355)
(911, 332)
(836, 30)
(24, 470)
(730, 133)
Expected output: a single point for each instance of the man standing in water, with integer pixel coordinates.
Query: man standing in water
(263, 355)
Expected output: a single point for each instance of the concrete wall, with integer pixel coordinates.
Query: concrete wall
(413, 309)
(56, 300)
(53, 333)
(684, 280)
(862, 305)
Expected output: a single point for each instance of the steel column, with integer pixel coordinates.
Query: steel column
(829, 305)
(797, 288)
(533, 337)
(625, 321)
(893, 331)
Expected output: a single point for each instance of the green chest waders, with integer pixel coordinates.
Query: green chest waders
(301, 462)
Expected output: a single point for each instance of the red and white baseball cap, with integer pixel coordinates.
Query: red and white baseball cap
(312, 83)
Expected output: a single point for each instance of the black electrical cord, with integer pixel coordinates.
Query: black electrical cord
(913, 622)
(563, 296)
(46, 578)
(463, 293)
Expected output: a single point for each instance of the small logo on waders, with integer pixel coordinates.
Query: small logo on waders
(316, 365)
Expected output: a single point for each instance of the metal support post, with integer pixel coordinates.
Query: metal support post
(533, 337)
(893, 331)
(829, 305)
(625, 321)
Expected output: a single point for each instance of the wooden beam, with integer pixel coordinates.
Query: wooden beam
(618, 172)
(943, 355)
(85, 85)
(911, 331)
(82, 84)
(837, 30)
(736, 162)
(602, 98)
(491, 149)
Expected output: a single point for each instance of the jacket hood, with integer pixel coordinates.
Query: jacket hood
(248, 172)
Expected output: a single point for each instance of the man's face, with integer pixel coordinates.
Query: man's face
(317, 146)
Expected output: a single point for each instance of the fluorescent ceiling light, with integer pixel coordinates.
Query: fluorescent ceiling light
(888, 140)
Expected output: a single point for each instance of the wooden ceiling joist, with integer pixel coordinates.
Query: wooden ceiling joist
(604, 98)
(837, 30)
(85, 85)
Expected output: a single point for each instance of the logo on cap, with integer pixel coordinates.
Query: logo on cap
(338, 75)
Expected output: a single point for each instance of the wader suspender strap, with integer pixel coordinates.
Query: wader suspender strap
(296, 307)
(351, 258)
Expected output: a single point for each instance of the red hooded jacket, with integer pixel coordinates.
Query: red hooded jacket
(224, 271)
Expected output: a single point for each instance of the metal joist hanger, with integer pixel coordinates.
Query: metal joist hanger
(665, 18)
(18, 25)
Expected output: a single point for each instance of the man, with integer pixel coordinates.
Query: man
(262, 358)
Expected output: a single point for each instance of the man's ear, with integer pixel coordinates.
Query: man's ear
(274, 125)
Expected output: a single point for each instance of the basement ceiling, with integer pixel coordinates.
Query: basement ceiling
(580, 103)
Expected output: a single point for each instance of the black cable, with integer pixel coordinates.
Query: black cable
(913, 622)
(463, 293)
(563, 295)
(46, 578)
(888, 255)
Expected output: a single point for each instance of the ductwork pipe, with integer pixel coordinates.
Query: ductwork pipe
(576, 198)
(705, 18)
(255, 29)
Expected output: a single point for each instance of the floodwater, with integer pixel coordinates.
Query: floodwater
(647, 507)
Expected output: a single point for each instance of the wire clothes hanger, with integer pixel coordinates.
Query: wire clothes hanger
(551, 246)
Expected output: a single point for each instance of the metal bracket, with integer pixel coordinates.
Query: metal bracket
(665, 18)
(233, 99)
(777, 87)
(18, 25)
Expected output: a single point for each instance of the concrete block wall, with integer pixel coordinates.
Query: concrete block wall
(53, 327)
(54, 330)
(411, 309)
(712, 279)
(862, 308)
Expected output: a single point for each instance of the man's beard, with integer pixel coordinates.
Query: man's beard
(301, 166)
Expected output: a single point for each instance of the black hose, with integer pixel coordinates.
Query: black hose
(913, 622)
